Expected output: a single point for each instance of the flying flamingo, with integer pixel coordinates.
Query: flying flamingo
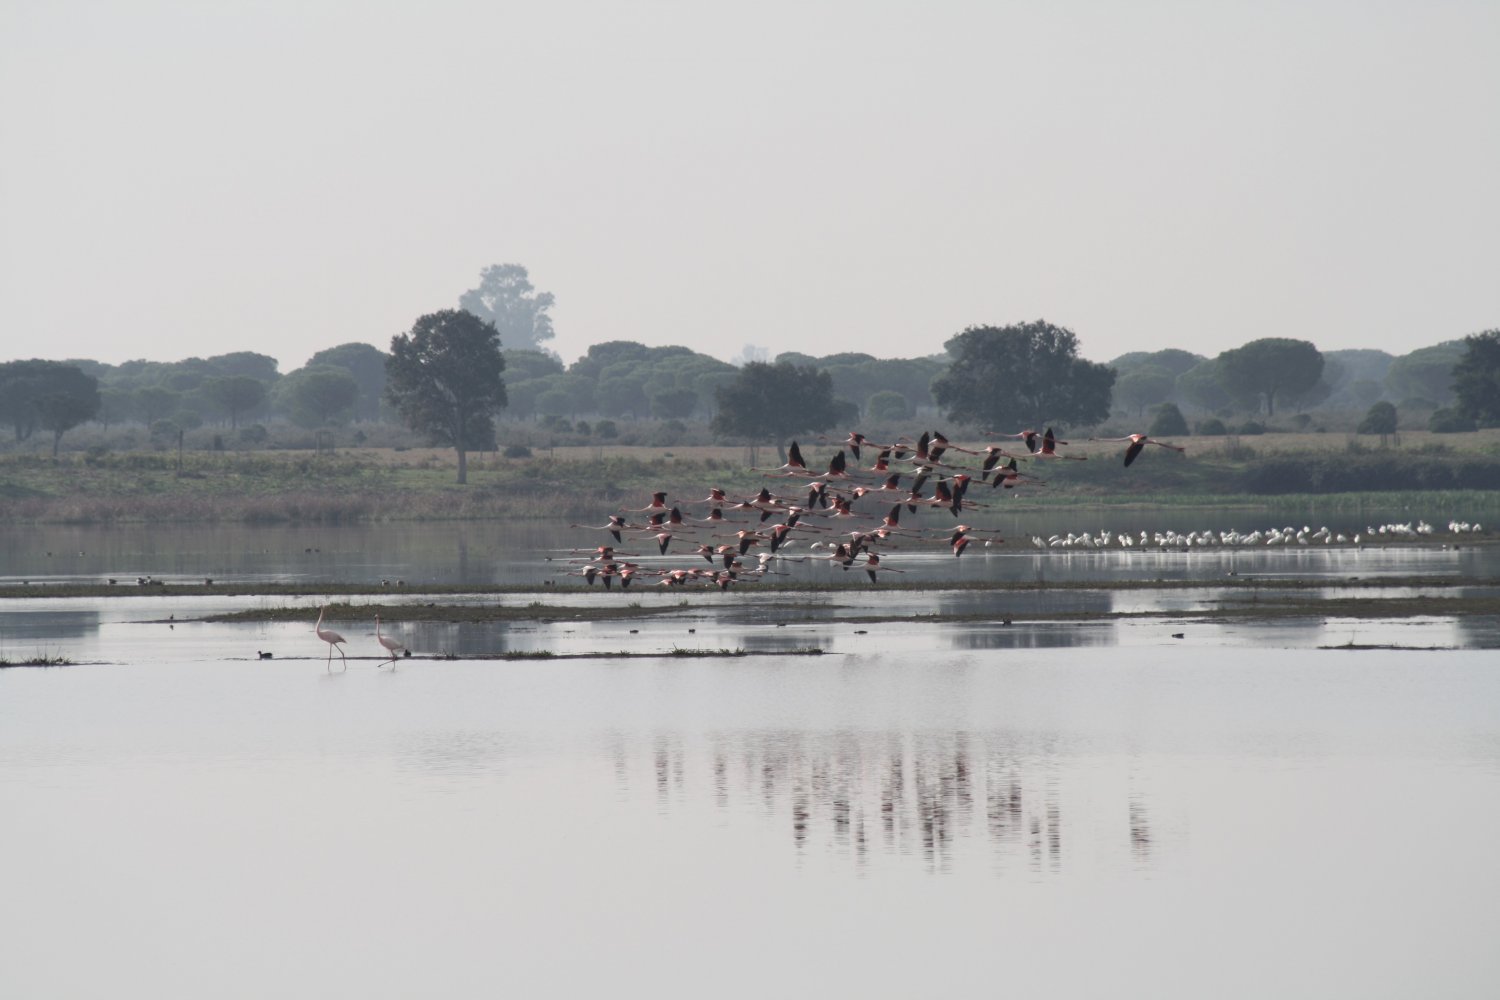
(1030, 437)
(873, 566)
(795, 466)
(993, 454)
(1049, 448)
(1137, 443)
(616, 523)
(856, 441)
(331, 637)
(658, 503)
(391, 645)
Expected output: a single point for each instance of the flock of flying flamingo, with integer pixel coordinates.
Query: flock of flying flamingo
(848, 513)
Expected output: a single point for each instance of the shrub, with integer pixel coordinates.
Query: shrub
(1250, 428)
(888, 405)
(582, 427)
(1212, 427)
(517, 451)
(1450, 422)
(1168, 421)
(1380, 420)
(668, 433)
(254, 434)
(606, 429)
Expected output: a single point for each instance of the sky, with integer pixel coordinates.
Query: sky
(189, 178)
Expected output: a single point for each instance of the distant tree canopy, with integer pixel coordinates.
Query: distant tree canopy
(445, 379)
(1020, 376)
(506, 299)
(888, 406)
(1144, 386)
(318, 396)
(522, 365)
(260, 367)
(156, 402)
(1351, 373)
(1172, 359)
(1200, 386)
(777, 401)
(1262, 370)
(1426, 373)
(236, 395)
(1476, 379)
(46, 395)
(366, 363)
(673, 404)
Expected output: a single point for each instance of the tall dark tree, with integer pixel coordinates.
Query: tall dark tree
(66, 398)
(20, 381)
(1263, 369)
(1025, 375)
(445, 379)
(1476, 379)
(775, 401)
(506, 298)
(46, 395)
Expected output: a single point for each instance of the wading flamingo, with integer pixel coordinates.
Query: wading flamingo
(331, 637)
(391, 645)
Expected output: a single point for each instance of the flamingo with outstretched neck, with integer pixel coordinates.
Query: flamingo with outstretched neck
(1139, 442)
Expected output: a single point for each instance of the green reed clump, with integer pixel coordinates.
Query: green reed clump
(40, 660)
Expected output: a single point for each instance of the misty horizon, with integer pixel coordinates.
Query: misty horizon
(817, 179)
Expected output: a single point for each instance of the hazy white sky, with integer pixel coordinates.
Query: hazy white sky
(181, 178)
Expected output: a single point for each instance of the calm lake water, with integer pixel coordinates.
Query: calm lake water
(981, 809)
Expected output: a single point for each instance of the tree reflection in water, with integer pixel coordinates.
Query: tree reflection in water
(921, 795)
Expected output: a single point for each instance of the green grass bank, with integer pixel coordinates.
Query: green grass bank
(1281, 473)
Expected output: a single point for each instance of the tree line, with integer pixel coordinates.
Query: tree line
(455, 369)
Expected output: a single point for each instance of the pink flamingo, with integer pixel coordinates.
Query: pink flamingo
(1137, 443)
(331, 637)
(1049, 448)
(391, 645)
(873, 566)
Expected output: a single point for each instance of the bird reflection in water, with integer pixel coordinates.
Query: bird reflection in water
(925, 796)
